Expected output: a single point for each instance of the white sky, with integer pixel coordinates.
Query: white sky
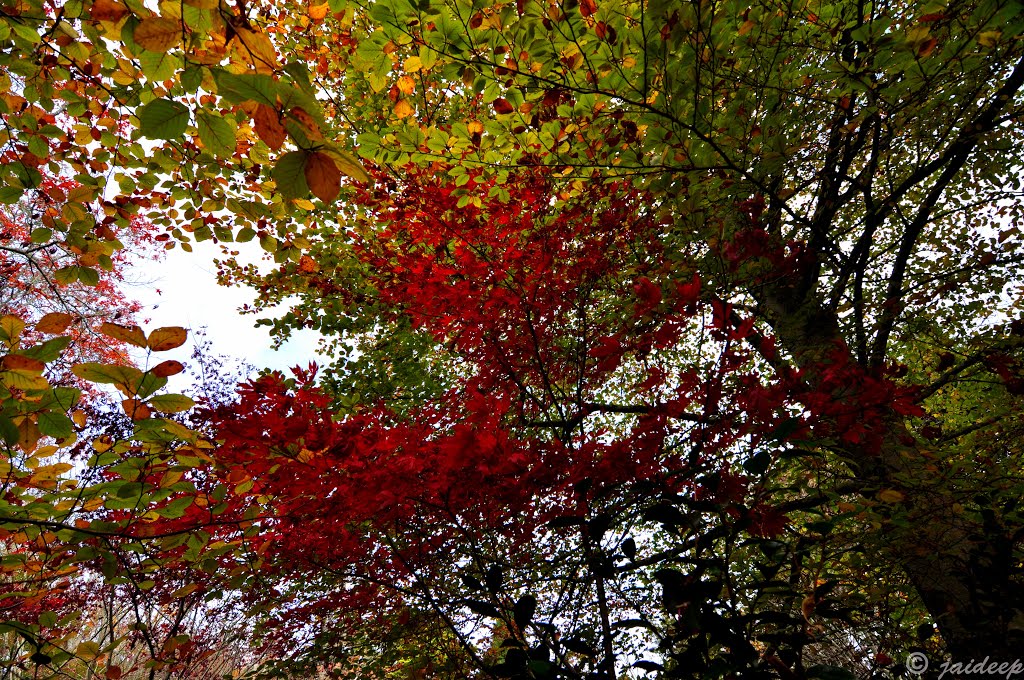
(189, 296)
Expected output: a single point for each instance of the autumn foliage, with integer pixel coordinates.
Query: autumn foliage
(671, 339)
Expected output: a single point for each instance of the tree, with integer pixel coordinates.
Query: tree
(713, 300)
(826, 175)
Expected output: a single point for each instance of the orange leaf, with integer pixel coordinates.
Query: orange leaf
(319, 12)
(158, 34)
(268, 126)
(16, 362)
(587, 7)
(322, 176)
(133, 335)
(406, 84)
(54, 322)
(136, 409)
(403, 109)
(108, 10)
(163, 339)
(167, 368)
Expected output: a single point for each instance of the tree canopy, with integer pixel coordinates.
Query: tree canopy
(662, 338)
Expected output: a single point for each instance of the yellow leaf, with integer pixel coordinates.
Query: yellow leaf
(304, 203)
(158, 34)
(257, 50)
(475, 127)
(133, 335)
(319, 12)
(403, 109)
(169, 337)
(989, 38)
(406, 84)
(88, 651)
(413, 64)
(890, 496)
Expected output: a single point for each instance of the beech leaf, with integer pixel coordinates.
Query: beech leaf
(163, 119)
(171, 403)
(289, 174)
(216, 133)
(167, 368)
(322, 176)
(54, 323)
(158, 34)
(168, 337)
(133, 335)
(268, 126)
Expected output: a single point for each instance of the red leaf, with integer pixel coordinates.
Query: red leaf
(502, 106)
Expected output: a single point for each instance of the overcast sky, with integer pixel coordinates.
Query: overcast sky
(189, 296)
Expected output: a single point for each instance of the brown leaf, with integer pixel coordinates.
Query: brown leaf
(587, 7)
(268, 126)
(108, 10)
(158, 34)
(299, 114)
(322, 176)
(167, 368)
(54, 322)
(133, 335)
(927, 47)
(502, 106)
(16, 362)
(169, 337)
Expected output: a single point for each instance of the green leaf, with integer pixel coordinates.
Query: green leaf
(217, 134)
(175, 508)
(192, 78)
(41, 235)
(171, 403)
(129, 376)
(163, 119)
(55, 424)
(8, 431)
(241, 87)
(10, 195)
(290, 175)
(149, 384)
(48, 351)
(88, 276)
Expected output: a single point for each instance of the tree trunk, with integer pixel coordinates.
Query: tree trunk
(962, 567)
